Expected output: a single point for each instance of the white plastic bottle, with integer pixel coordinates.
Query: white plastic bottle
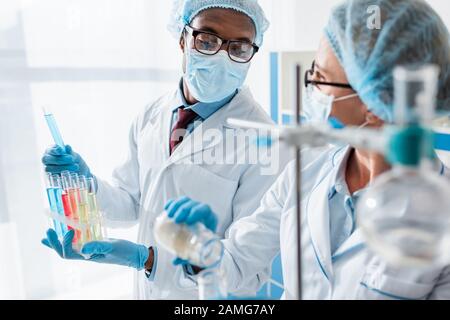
(197, 244)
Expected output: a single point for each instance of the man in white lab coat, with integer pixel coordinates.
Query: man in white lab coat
(351, 81)
(180, 145)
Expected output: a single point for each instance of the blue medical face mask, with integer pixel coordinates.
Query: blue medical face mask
(213, 78)
(317, 108)
(317, 105)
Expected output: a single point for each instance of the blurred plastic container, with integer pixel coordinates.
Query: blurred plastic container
(195, 243)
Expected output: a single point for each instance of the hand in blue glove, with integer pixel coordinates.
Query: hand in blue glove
(118, 252)
(57, 159)
(64, 249)
(185, 210)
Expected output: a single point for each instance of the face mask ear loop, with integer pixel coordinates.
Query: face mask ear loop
(365, 124)
(346, 97)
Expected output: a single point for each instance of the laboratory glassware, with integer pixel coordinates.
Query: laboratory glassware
(194, 243)
(405, 214)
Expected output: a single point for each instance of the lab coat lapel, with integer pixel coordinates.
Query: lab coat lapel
(317, 215)
(196, 142)
(353, 243)
(318, 211)
(167, 122)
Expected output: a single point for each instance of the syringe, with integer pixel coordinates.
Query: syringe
(53, 127)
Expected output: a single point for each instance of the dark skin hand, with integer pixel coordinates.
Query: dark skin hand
(151, 256)
(227, 24)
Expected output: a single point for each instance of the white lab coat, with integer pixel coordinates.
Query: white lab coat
(150, 177)
(355, 273)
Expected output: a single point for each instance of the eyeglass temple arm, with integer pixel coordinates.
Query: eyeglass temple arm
(333, 84)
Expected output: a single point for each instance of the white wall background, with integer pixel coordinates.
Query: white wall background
(96, 63)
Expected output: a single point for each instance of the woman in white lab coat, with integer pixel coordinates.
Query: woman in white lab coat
(351, 81)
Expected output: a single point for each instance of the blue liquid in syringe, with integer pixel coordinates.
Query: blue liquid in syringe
(54, 129)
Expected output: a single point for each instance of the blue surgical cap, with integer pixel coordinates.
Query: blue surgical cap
(411, 34)
(185, 10)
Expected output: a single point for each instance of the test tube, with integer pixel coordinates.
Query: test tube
(58, 191)
(93, 210)
(51, 195)
(84, 208)
(77, 205)
(51, 122)
(70, 201)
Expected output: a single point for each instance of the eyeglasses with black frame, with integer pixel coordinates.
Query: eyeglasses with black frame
(310, 73)
(209, 44)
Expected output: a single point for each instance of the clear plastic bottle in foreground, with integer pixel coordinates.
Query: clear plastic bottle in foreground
(197, 244)
(405, 214)
(212, 285)
(406, 217)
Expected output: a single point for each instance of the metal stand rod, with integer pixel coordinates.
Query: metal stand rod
(298, 179)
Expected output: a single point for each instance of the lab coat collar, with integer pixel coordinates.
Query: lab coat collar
(356, 239)
(217, 121)
(338, 183)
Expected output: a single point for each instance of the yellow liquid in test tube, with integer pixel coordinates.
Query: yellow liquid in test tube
(95, 217)
(84, 215)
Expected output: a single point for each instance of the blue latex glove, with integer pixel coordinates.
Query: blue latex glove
(118, 252)
(185, 210)
(57, 159)
(64, 249)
